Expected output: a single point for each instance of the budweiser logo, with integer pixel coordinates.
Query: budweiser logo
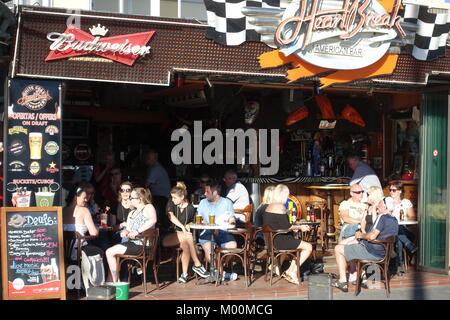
(75, 42)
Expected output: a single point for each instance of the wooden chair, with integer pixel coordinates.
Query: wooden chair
(311, 237)
(274, 254)
(70, 239)
(149, 253)
(243, 253)
(383, 264)
(248, 212)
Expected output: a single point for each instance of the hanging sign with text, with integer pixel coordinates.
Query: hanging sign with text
(33, 144)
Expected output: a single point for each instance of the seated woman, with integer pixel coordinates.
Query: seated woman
(277, 218)
(77, 218)
(395, 203)
(120, 212)
(375, 195)
(266, 200)
(181, 213)
(142, 218)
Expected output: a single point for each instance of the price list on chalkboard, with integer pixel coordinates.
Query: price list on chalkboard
(32, 253)
(33, 144)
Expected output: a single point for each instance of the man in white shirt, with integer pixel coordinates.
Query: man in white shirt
(237, 193)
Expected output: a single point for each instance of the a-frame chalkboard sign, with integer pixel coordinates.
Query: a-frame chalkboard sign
(32, 253)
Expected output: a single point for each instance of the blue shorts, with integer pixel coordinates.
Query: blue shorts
(220, 239)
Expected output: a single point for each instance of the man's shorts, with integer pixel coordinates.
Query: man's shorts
(358, 251)
(220, 239)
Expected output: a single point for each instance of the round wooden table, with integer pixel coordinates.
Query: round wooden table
(329, 227)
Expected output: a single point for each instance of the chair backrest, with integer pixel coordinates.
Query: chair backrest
(268, 238)
(247, 211)
(150, 244)
(388, 245)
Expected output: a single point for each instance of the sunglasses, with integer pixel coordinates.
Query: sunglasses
(125, 190)
(358, 192)
(114, 173)
(393, 190)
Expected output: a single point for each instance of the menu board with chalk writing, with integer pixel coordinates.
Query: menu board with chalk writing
(32, 253)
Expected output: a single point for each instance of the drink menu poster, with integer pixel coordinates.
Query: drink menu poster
(32, 137)
(32, 253)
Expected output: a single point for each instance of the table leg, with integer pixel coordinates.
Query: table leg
(212, 274)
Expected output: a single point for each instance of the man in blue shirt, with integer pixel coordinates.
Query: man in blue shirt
(159, 184)
(222, 209)
(384, 227)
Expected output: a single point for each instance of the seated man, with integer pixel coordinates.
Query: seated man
(384, 227)
(351, 212)
(237, 193)
(222, 209)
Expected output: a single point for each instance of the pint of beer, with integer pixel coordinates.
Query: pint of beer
(35, 140)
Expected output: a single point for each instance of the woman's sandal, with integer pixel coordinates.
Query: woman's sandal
(290, 279)
(343, 286)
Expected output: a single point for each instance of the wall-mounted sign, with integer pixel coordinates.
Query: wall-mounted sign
(350, 35)
(32, 133)
(75, 42)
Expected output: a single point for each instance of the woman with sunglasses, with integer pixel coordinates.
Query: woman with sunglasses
(140, 219)
(120, 212)
(395, 203)
(180, 212)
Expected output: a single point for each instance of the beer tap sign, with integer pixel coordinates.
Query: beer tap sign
(32, 167)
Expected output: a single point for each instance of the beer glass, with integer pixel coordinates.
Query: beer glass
(35, 141)
(198, 219)
(212, 218)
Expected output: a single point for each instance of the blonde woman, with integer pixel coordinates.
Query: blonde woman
(276, 217)
(142, 218)
(266, 200)
(375, 195)
(180, 212)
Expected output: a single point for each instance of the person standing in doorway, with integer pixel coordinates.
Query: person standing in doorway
(159, 184)
(363, 174)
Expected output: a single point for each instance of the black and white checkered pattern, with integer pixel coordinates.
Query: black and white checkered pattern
(431, 37)
(228, 25)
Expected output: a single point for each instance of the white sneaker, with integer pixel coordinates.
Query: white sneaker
(352, 277)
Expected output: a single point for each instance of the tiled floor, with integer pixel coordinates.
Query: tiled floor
(259, 289)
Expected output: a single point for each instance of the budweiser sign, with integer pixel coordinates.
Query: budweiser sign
(75, 42)
(348, 34)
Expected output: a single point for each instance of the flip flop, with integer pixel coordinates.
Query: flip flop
(343, 286)
(290, 279)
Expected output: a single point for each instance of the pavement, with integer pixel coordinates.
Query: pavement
(410, 286)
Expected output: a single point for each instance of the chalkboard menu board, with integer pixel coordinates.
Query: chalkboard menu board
(32, 136)
(32, 253)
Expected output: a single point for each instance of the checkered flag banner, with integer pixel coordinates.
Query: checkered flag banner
(229, 26)
(433, 28)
